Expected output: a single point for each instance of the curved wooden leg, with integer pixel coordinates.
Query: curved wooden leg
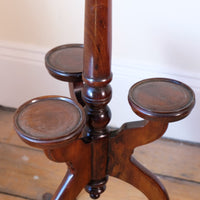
(77, 154)
(141, 178)
(71, 185)
(67, 188)
(127, 168)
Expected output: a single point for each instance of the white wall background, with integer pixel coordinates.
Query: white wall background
(150, 39)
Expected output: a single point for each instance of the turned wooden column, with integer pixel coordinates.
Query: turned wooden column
(96, 89)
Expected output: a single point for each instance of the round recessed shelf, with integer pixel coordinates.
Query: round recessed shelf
(161, 98)
(65, 62)
(48, 120)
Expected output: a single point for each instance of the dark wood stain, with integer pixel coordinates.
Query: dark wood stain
(81, 137)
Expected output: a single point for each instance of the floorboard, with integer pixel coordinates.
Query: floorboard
(25, 172)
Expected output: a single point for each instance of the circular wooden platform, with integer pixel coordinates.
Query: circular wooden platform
(65, 62)
(161, 98)
(48, 120)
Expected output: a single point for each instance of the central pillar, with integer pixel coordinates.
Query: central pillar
(96, 89)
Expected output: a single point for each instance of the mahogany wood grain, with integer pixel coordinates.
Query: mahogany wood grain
(80, 138)
(16, 174)
(164, 157)
(162, 102)
(65, 63)
(75, 89)
(96, 89)
(49, 121)
(79, 168)
(176, 156)
(97, 42)
(129, 169)
(161, 98)
(54, 123)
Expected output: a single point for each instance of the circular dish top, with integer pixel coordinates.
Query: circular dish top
(65, 62)
(160, 97)
(49, 119)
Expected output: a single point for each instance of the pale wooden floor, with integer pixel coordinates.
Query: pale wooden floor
(25, 173)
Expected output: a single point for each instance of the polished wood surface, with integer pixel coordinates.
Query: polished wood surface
(160, 97)
(96, 89)
(91, 150)
(97, 42)
(129, 169)
(49, 118)
(65, 62)
(49, 121)
(25, 173)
